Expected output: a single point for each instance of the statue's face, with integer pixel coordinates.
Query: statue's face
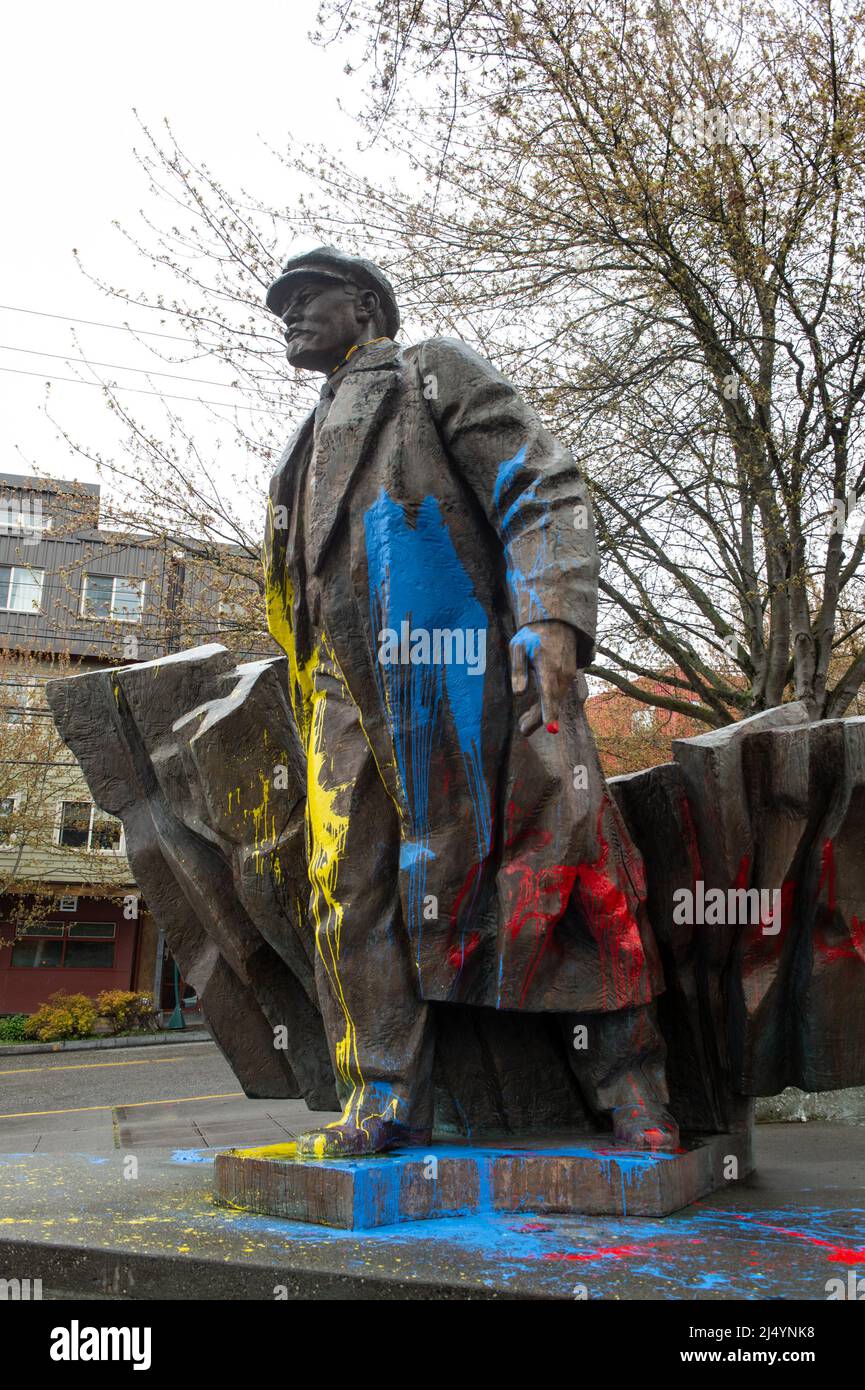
(322, 321)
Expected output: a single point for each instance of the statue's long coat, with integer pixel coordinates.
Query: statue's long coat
(440, 505)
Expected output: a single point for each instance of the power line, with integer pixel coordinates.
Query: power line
(95, 323)
(26, 713)
(140, 391)
(121, 367)
(34, 762)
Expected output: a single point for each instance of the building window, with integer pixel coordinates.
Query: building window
(107, 596)
(643, 720)
(22, 515)
(55, 946)
(89, 946)
(17, 700)
(7, 811)
(75, 824)
(84, 826)
(20, 589)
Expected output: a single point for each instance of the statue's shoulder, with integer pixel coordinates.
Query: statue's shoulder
(449, 356)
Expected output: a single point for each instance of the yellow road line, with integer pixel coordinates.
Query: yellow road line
(85, 1066)
(122, 1105)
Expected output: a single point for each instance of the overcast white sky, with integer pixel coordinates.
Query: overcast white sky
(70, 75)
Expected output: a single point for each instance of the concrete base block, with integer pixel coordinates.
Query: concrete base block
(577, 1178)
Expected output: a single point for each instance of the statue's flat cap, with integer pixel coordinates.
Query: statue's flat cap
(327, 263)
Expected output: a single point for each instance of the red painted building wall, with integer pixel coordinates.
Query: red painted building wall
(632, 735)
(80, 952)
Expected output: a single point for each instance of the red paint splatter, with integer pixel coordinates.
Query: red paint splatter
(532, 836)
(691, 845)
(539, 898)
(614, 1252)
(467, 885)
(617, 1252)
(827, 874)
(838, 1254)
(553, 727)
(854, 948)
(459, 954)
(534, 885)
(542, 897)
(613, 925)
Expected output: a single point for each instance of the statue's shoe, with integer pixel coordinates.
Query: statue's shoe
(645, 1127)
(352, 1140)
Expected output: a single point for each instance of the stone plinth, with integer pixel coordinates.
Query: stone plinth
(585, 1178)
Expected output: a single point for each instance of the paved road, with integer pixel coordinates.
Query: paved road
(96, 1102)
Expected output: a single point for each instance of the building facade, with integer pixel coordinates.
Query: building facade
(73, 597)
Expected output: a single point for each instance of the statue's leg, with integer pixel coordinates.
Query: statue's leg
(618, 1058)
(378, 1029)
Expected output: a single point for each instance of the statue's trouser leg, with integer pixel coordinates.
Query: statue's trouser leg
(619, 1060)
(379, 1031)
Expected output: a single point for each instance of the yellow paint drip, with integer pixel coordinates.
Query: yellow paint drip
(327, 833)
(279, 600)
(269, 1151)
(326, 828)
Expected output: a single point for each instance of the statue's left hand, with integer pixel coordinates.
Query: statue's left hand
(551, 650)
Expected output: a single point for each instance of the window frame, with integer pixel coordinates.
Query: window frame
(23, 518)
(111, 617)
(23, 698)
(8, 838)
(28, 569)
(63, 936)
(89, 848)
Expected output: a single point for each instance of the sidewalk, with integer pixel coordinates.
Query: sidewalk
(143, 1225)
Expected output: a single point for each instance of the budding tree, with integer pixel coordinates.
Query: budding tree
(650, 216)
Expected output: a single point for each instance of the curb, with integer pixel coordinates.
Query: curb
(103, 1272)
(97, 1044)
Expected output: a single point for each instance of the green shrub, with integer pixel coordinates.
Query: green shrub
(12, 1028)
(64, 1016)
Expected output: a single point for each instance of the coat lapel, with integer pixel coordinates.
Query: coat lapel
(363, 401)
(281, 521)
(280, 533)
